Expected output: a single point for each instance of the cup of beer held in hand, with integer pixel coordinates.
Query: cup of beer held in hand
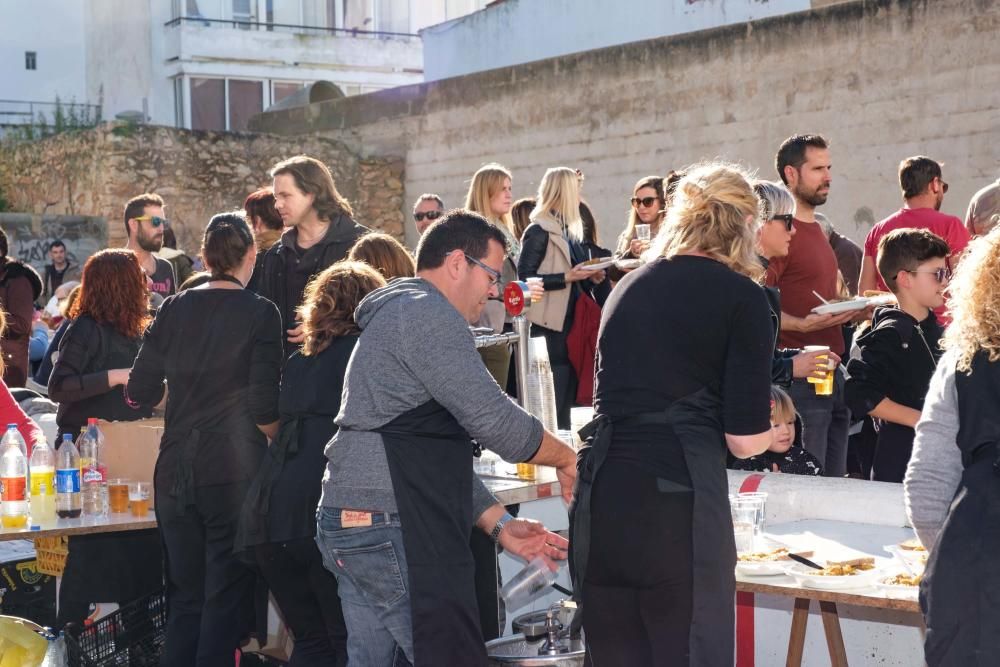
(824, 364)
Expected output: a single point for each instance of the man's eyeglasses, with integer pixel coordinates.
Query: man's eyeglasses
(786, 218)
(430, 215)
(940, 275)
(645, 202)
(944, 186)
(493, 274)
(154, 220)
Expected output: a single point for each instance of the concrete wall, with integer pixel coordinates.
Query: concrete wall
(198, 174)
(522, 31)
(119, 57)
(882, 79)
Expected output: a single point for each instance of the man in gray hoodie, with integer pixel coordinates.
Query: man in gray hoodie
(400, 496)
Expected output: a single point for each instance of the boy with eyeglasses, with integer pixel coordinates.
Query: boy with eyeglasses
(899, 353)
(145, 223)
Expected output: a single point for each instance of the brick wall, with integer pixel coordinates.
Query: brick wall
(882, 79)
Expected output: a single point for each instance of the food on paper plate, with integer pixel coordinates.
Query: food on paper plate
(781, 553)
(912, 545)
(903, 580)
(846, 568)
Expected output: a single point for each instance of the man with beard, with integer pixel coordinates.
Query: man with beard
(810, 268)
(145, 223)
(923, 192)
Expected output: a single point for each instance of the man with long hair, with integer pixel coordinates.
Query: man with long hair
(320, 232)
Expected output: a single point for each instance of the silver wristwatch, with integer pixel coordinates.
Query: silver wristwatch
(501, 522)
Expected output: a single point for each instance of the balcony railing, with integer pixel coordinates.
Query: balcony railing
(25, 112)
(242, 24)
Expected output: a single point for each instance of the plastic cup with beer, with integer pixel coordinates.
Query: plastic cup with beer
(822, 385)
(118, 495)
(138, 497)
(536, 288)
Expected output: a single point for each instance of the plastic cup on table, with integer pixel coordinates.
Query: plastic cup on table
(138, 498)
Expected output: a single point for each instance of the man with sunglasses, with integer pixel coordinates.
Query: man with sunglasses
(400, 497)
(428, 208)
(145, 224)
(923, 187)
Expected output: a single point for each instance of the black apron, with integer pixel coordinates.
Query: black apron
(960, 591)
(430, 462)
(697, 422)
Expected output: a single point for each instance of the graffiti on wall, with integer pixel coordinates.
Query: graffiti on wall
(29, 236)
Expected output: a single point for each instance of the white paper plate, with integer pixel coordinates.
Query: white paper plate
(859, 303)
(761, 569)
(598, 266)
(896, 590)
(628, 264)
(803, 577)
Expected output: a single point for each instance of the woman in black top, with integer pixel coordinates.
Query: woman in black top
(219, 348)
(95, 355)
(98, 348)
(279, 517)
(683, 371)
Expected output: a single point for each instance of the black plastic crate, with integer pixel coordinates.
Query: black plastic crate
(132, 636)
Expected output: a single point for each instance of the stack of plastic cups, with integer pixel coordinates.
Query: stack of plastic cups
(539, 394)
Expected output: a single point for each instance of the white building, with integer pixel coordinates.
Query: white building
(512, 32)
(206, 64)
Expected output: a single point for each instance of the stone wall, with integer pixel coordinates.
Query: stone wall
(93, 173)
(29, 236)
(882, 79)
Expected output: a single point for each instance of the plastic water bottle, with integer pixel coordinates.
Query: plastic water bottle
(42, 469)
(14, 480)
(13, 435)
(69, 501)
(93, 471)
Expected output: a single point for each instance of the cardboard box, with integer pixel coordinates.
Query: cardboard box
(131, 448)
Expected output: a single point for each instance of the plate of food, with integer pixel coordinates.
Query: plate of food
(836, 575)
(765, 563)
(841, 306)
(900, 584)
(597, 264)
(628, 264)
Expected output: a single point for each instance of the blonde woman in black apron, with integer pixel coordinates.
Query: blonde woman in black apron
(683, 373)
(952, 484)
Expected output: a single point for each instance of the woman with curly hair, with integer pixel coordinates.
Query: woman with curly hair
(384, 254)
(87, 380)
(950, 488)
(279, 517)
(99, 347)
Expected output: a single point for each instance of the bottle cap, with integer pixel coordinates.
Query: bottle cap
(36, 527)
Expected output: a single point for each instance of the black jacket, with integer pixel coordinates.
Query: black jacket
(898, 358)
(285, 270)
(781, 363)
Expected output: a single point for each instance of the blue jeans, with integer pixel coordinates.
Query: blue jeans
(825, 422)
(370, 566)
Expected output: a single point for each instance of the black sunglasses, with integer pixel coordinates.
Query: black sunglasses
(430, 215)
(787, 218)
(645, 201)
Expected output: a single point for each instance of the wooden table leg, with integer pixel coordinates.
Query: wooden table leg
(834, 639)
(797, 638)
